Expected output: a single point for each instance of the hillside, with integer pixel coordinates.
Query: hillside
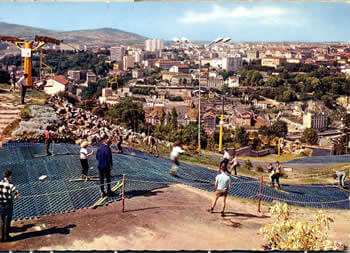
(103, 36)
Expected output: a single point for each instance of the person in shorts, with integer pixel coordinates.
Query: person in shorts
(222, 185)
(174, 157)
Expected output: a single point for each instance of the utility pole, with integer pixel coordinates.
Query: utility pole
(27, 49)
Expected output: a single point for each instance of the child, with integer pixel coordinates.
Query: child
(174, 156)
(84, 160)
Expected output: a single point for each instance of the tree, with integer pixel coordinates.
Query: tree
(174, 118)
(279, 129)
(129, 113)
(4, 76)
(190, 135)
(241, 136)
(310, 136)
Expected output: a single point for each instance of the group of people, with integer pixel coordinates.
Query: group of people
(228, 159)
(275, 174)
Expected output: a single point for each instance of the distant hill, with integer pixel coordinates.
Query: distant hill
(101, 37)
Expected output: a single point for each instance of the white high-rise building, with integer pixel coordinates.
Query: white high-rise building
(117, 53)
(128, 62)
(232, 63)
(154, 45)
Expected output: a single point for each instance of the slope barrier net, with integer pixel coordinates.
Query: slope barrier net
(144, 173)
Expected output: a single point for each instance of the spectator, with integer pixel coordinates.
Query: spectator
(104, 165)
(22, 83)
(84, 160)
(6, 204)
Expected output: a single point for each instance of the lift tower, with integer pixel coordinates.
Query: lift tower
(27, 48)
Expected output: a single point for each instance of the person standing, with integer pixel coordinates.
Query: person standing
(22, 83)
(276, 175)
(119, 143)
(222, 185)
(104, 165)
(153, 145)
(341, 175)
(235, 164)
(13, 80)
(226, 159)
(7, 190)
(174, 157)
(84, 160)
(47, 141)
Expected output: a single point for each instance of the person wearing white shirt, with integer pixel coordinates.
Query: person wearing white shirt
(341, 175)
(174, 156)
(226, 159)
(222, 185)
(22, 83)
(84, 159)
(234, 165)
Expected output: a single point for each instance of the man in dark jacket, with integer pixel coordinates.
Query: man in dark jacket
(104, 165)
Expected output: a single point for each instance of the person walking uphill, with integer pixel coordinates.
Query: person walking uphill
(47, 140)
(341, 176)
(6, 204)
(226, 159)
(104, 165)
(222, 185)
(174, 157)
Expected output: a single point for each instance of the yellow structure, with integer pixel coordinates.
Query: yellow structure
(221, 132)
(27, 50)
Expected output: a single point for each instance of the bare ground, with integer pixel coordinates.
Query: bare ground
(173, 218)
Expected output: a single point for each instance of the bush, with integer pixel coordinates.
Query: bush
(288, 234)
(248, 164)
(26, 113)
(259, 168)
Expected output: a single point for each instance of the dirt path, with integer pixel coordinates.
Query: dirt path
(173, 218)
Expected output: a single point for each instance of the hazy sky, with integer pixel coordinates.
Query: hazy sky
(242, 21)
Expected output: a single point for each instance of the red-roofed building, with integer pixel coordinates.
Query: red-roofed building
(55, 84)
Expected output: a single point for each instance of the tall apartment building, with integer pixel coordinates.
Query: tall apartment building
(128, 62)
(271, 61)
(117, 53)
(252, 55)
(232, 63)
(154, 45)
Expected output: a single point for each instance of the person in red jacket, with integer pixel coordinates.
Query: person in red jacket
(47, 141)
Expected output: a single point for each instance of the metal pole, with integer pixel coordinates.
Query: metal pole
(199, 106)
(123, 194)
(261, 182)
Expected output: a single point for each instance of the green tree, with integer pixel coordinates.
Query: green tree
(174, 118)
(279, 129)
(241, 136)
(190, 135)
(310, 136)
(128, 113)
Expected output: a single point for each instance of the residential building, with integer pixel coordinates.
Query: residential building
(232, 81)
(128, 62)
(272, 61)
(136, 73)
(117, 53)
(74, 75)
(154, 45)
(232, 63)
(317, 121)
(55, 84)
(252, 55)
(165, 64)
(91, 77)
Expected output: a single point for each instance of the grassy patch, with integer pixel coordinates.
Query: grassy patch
(4, 86)
(26, 113)
(273, 158)
(11, 127)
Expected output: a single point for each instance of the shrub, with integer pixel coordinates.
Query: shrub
(288, 234)
(26, 113)
(259, 168)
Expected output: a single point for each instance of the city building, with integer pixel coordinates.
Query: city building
(117, 53)
(317, 121)
(154, 45)
(271, 61)
(252, 55)
(232, 81)
(74, 75)
(165, 64)
(136, 73)
(55, 85)
(128, 62)
(91, 77)
(232, 63)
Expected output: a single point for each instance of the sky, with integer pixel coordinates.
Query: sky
(241, 21)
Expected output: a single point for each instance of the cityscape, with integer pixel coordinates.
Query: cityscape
(229, 85)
